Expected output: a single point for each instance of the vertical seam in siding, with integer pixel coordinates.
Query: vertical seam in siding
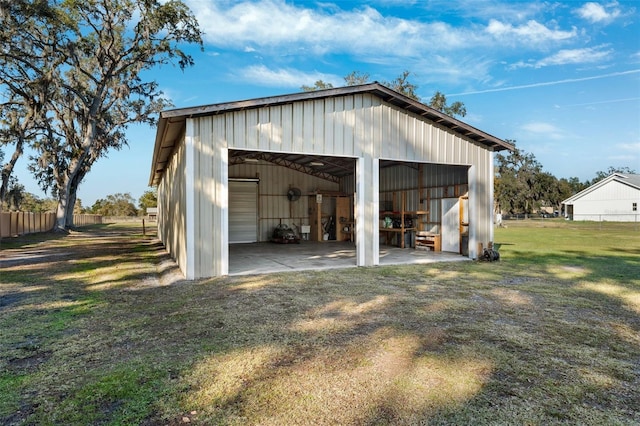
(190, 199)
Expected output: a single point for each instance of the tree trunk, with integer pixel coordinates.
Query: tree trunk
(8, 169)
(61, 214)
(67, 195)
(64, 212)
(71, 204)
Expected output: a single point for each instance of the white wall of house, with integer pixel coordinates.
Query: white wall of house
(610, 202)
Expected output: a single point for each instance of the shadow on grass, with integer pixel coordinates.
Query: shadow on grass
(531, 339)
(28, 240)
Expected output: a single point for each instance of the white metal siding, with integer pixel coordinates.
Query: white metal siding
(171, 208)
(211, 192)
(367, 211)
(348, 126)
(358, 125)
(611, 202)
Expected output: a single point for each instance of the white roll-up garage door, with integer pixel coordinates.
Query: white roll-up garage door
(243, 211)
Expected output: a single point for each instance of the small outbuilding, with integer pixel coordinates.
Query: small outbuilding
(612, 199)
(152, 213)
(359, 165)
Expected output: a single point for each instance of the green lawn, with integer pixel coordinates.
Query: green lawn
(91, 333)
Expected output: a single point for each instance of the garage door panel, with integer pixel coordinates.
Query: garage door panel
(243, 212)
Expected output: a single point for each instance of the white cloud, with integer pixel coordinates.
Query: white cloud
(274, 23)
(568, 56)
(283, 32)
(545, 129)
(631, 147)
(540, 127)
(576, 56)
(596, 12)
(531, 32)
(286, 77)
(362, 31)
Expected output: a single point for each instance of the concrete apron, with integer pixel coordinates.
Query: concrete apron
(264, 258)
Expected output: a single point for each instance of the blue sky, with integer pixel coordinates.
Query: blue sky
(561, 78)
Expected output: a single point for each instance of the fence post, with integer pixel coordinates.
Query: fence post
(5, 224)
(14, 223)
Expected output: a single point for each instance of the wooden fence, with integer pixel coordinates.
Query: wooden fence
(86, 219)
(20, 223)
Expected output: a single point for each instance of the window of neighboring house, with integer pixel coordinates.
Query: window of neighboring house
(634, 207)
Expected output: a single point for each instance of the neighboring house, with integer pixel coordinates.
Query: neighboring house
(615, 198)
(152, 213)
(231, 172)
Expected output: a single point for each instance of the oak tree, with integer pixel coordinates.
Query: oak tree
(25, 80)
(439, 101)
(516, 186)
(97, 55)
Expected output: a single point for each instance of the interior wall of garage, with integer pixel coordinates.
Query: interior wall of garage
(439, 181)
(273, 205)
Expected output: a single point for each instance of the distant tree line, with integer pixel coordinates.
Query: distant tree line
(124, 204)
(119, 204)
(521, 185)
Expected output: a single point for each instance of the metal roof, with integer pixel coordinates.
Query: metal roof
(172, 122)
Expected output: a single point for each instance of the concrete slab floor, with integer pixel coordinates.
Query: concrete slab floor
(264, 258)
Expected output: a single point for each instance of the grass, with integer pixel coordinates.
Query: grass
(91, 333)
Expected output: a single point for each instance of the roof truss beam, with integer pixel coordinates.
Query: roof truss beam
(274, 159)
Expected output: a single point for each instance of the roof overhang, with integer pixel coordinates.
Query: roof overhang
(171, 124)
